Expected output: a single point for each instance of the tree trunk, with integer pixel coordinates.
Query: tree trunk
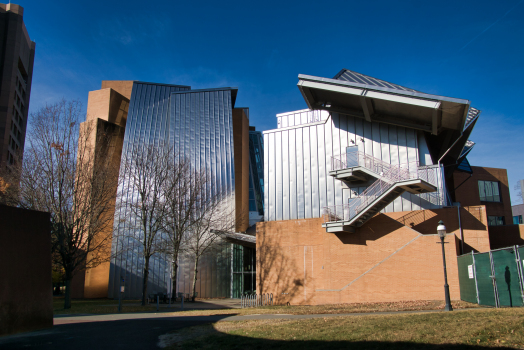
(146, 277)
(67, 299)
(195, 278)
(173, 279)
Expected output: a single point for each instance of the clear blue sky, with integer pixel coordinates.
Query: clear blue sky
(465, 49)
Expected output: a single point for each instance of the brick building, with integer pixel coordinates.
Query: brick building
(355, 186)
(17, 53)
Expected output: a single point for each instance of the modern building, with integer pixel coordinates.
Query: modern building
(17, 54)
(205, 127)
(355, 186)
(256, 176)
(518, 210)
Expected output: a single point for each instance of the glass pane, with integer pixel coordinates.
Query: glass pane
(248, 282)
(492, 220)
(496, 194)
(248, 259)
(489, 191)
(482, 191)
(237, 285)
(237, 258)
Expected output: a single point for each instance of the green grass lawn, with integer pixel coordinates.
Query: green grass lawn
(468, 329)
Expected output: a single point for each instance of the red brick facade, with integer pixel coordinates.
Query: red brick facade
(393, 257)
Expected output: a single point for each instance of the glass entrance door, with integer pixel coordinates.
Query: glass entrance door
(244, 270)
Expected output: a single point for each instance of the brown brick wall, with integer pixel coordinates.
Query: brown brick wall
(506, 236)
(123, 87)
(15, 48)
(467, 192)
(108, 108)
(241, 153)
(384, 260)
(26, 301)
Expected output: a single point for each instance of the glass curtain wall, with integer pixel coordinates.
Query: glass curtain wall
(244, 270)
(256, 174)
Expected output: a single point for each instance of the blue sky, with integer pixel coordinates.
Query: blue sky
(466, 49)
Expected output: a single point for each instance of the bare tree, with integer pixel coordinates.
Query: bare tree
(213, 216)
(520, 190)
(181, 192)
(66, 172)
(145, 171)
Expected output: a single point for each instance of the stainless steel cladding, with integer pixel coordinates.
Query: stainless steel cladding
(298, 157)
(197, 124)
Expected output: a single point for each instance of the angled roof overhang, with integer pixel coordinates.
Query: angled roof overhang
(241, 239)
(234, 91)
(408, 108)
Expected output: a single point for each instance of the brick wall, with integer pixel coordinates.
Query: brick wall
(506, 236)
(26, 301)
(467, 190)
(385, 260)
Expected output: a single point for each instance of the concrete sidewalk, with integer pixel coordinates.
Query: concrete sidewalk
(202, 304)
(214, 318)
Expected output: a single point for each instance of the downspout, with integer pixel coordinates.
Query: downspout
(461, 231)
(446, 189)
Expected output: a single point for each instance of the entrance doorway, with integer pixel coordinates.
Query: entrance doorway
(244, 270)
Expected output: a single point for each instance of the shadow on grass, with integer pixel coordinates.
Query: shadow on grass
(227, 341)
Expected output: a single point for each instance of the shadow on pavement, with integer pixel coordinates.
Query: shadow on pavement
(121, 334)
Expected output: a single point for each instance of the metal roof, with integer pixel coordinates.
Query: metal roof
(354, 77)
(473, 114)
(393, 104)
(234, 91)
(467, 148)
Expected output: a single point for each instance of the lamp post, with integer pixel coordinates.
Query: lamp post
(441, 230)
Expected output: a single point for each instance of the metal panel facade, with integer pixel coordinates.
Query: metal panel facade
(197, 124)
(305, 149)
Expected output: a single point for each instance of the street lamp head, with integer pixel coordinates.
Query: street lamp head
(441, 229)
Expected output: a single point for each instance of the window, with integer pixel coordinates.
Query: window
(517, 220)
(496, 221)
(489, 191)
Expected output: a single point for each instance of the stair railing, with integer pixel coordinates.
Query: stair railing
(389, 175)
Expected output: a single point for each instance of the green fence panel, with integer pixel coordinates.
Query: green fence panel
(521, 264)
(468, 288)
(507, 277)
(484, 281)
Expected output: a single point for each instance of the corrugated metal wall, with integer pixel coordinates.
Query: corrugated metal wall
(198, 125)
(297, 159)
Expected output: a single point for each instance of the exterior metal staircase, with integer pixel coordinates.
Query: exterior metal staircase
(392, 181)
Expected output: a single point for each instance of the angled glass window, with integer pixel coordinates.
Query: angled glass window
(517, 220)
(489, 191)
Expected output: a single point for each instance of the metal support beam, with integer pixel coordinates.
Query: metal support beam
(435, 119)
(367, 107)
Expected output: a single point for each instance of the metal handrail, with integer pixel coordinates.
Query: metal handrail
(380, 167)
(389, 175)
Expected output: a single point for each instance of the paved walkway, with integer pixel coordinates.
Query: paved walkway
(204, 304)
(72, 319)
